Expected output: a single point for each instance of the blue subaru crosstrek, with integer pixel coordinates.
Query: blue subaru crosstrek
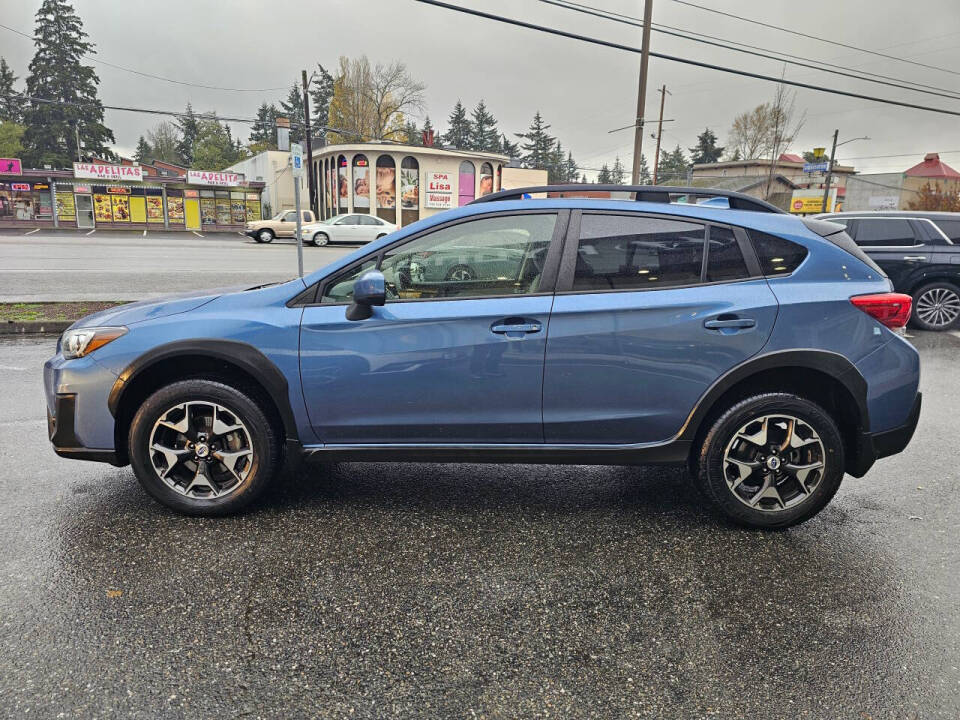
(757, 348)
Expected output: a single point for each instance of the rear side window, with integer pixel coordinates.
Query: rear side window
(626, 252)
(951, 228)
(724, 258)
(777, 256)
(884, 232)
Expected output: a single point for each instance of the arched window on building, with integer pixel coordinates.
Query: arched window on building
(386, 188)
(467, 182)
(499, 178)
(361, 184)
(486, 179)
(409, 190)
(343, 185)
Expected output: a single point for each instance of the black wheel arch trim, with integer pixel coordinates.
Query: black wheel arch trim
(833, 364)
(245, 356)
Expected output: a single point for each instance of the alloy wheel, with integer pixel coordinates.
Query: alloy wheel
(774, 462)
(320, 239)
(201, 449)
(938, 306)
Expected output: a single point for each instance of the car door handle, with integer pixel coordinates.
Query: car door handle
(730, 323)
(516, 328)
(914, 257)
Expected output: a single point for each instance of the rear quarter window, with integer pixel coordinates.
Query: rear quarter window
(950, 228)
(777, 256)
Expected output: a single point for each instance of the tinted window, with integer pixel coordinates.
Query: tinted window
(951, 228)
(369, 220)
(777, 256)
(340, 288)
(290, 217)
(623, 252)
(348, 220)
(892, 232)
(724, 258)
(481, 258)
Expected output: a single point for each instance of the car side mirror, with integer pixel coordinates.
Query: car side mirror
(369, 290)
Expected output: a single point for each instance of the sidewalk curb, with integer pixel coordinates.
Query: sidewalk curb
(50, 327)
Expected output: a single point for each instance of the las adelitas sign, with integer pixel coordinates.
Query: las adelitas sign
(223, 179)
(104, 171)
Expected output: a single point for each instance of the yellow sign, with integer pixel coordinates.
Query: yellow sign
(66, 208)
(154, 209)
(121, 208)
(818, 153)
(811, 201)
(101, 207)
(138, 209)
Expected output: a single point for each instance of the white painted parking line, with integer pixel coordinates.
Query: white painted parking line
(92, 231)
(955, 333)
(196, 233)
(32, 231)
(144, 233)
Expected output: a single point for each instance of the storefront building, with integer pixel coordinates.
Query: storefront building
(101, 195)
(370, 177)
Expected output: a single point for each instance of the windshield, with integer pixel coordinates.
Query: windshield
(279, 215)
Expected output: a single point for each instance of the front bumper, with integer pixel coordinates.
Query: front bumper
(61, 428)
(873, 446)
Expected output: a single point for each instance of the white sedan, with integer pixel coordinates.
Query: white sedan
(357, 228)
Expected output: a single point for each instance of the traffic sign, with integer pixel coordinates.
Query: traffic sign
(296, 157)
(816, 167)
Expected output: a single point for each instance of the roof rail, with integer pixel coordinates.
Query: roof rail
(643, 193)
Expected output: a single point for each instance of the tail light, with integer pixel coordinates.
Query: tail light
(890, 309)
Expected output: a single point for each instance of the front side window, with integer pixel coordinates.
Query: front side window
(889, 232)
(340, 288)
(724, 259)
(489, 257)
(290, 216)
(348, 220)
(623, 252)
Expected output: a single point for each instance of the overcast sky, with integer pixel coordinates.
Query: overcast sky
(582, 90)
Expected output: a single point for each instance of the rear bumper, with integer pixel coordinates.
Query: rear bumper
(873, 446)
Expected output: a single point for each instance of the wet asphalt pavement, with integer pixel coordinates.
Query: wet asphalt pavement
(461, 591)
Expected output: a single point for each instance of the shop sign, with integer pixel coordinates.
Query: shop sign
(10, 166)
(222, 179)
(103, 171)
(803, 202)
(20, 187)
(191, 193)
(82, 189)
(40, 186)
(439, 190)
(118, 190)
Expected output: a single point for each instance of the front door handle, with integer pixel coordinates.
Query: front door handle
(517, 328)
(914, 257)
(730, 323)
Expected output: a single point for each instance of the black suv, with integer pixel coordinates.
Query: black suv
(920, 252)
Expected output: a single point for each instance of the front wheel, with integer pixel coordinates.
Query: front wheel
(320, 239)
(265, 236)
(936, 306)
(203, 448)
(772, 461)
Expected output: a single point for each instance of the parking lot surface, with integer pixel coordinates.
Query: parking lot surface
(378, 590)
(49, 266)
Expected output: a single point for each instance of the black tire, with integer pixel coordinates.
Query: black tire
(948, 295)
(264, 437)
(381, 235)
(461, 272)
(711, 473)
(320, 239)
(264, 236)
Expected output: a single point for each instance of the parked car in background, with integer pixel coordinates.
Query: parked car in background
(919, 252)
(283, 224)
(354, 228)
(754, 347)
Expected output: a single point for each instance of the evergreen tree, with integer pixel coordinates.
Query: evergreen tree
(673, 167)
(572, 171)
(263, 132)
(706, 150)
(459, 133)
(214, 148)
(143, 152)
(293, 109)
(425, 132)
(189, 126)
(557, 165)
(484, 135)
(10, 107)
(10, 136)
(645, 177)
(603, 177)
(617, 172)
(510, 149)
(321, 93)
(411, 133)
(56, 73)
(538, 145)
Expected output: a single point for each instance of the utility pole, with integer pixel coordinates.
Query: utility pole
(656, 157)
(311, 185)
(641, 93)
(76, 130)
(826, 189)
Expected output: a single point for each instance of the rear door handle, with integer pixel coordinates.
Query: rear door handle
(914, 257)
(518, 328)
(731, 323)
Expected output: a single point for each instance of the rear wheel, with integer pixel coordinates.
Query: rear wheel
(936, 306)
(203, 448)
(772, 461)
(265, 236)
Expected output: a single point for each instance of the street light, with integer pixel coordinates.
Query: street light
(833, 152)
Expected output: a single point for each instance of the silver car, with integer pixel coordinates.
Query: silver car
(356, 228)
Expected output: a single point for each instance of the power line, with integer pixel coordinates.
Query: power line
(685, 61)
(149, 75)
(814, 37)
(727, 45)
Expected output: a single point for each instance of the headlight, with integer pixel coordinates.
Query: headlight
(83, 341)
